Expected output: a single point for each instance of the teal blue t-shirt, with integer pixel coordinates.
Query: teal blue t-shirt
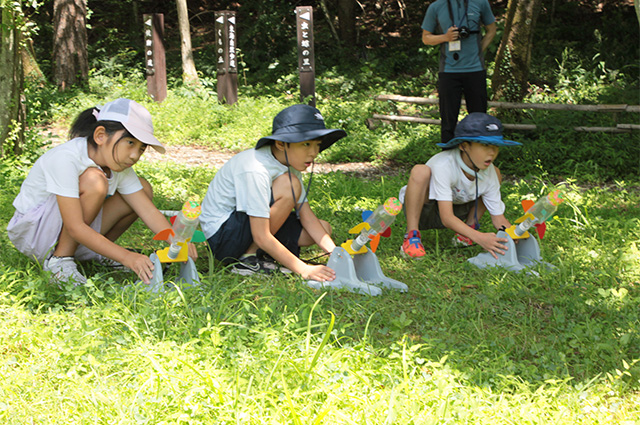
(472, 14)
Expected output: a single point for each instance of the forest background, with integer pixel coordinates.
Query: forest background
(463, 345)
(575, 52)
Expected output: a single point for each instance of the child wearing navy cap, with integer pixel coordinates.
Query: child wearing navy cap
(256, 210)
(456, 186)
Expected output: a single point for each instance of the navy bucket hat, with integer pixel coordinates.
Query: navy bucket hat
(480, 128)
(299, 123)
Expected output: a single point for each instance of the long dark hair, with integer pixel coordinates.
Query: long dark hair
(86, 122)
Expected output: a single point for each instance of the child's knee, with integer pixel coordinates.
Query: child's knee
(282, 189)
(499, 174)
(327, 227)
(420, 173)
(146, 186)
(93, 182)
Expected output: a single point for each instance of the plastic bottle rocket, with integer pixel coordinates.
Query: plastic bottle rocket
(357, 268)
(374, 225)
(536, 215)
(184, 226)
(182, 231)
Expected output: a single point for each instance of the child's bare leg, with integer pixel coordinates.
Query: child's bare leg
(306, 240)
(471, 217)
(93, 188)
(283, 200)
(118, 216)
(471, 221)
(416, 195)
(283, 204)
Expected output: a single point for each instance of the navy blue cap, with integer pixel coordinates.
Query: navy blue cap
(299, 123)
(480, 128)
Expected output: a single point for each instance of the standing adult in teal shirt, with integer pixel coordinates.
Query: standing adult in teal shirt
(456, 26)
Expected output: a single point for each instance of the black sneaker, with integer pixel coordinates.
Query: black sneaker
(250, 264)
(263, 256)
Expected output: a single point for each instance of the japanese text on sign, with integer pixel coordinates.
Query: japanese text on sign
(305, 38)
(148, 46)
(226, 42)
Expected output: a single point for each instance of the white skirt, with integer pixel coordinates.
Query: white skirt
(36, 233)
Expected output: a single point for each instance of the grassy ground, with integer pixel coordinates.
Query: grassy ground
(464, 345)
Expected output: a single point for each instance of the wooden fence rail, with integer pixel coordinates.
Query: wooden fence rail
(619, 128)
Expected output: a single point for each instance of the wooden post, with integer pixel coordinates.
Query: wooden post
(155, 63)
(306, 59)
(226, 56)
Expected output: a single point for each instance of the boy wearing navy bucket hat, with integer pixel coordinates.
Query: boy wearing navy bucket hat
(256, 210)
(456, 186)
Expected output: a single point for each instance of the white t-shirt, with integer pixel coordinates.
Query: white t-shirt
(58, 172)
(243, 184)
(449, 183)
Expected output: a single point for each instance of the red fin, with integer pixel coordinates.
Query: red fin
(526, 204)
(386, 233)
(172, 219)
(541, 228)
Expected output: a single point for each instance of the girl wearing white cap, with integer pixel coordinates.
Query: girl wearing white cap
(80, 196)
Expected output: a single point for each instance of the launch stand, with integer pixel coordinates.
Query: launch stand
(357, 267)
(523, 255)
(360, 274)
(188, 274)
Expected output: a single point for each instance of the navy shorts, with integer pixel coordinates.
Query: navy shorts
(234, 237)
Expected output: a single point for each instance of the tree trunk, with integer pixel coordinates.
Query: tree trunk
(32, 71)
(189, 73)
(70, 61)
(11, 79)
(347, 22)
(513, 59)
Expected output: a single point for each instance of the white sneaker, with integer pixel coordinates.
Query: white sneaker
(64, 269)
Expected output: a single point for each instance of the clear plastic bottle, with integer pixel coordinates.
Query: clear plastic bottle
(184, 226)
(541, 211)
(378, 222)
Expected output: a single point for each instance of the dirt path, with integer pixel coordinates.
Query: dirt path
(194, 156)
(201, 157)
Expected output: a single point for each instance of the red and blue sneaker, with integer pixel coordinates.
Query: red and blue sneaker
(463, 241)
(412, 246)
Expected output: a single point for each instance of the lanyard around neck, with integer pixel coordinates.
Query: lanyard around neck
(466, 8)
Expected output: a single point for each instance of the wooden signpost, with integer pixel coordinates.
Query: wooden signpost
(226, 56)
(306, 59)
(155, 64)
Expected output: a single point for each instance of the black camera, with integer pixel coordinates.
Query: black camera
(463, 32)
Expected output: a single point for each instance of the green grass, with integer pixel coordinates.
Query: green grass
(464, 345)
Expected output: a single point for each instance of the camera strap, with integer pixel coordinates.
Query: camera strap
(463, 18)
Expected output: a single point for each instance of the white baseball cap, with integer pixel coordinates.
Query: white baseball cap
(134, 117)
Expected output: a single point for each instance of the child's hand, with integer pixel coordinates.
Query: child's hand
(493, 244)
(141, 265)
(319, 273)
(193, 251)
